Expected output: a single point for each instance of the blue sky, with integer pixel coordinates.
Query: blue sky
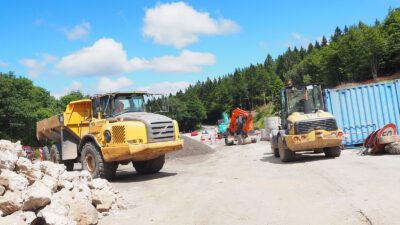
(160, 46)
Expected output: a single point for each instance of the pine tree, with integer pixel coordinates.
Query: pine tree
(310, 48)
(324, 42)
(317, 46)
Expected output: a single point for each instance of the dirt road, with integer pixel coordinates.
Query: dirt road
(247, 185)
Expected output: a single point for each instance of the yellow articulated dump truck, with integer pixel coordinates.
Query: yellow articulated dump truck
(108, 130)
(305, 126)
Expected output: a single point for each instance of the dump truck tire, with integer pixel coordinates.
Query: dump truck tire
(46, 153)
(92, 161)
(332, 151)
(55, 154)
(149, 166)
(285, 154)
(316, 151)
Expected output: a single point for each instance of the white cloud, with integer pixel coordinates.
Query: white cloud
(299, 40)
(263, 45)
(166, 87)
(36, 67)
(78, 32)
(107, 85)
(75, 86)
(178, 24)
(107, 57)
(3, 64)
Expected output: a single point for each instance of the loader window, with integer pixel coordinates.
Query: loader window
(295, 95)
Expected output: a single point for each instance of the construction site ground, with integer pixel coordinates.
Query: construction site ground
(248, 185)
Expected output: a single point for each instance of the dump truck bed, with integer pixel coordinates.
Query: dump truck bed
(49, 129)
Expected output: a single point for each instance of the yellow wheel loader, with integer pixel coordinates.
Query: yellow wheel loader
(108, 130)
(305, 126)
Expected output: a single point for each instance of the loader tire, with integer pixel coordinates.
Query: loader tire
(92, 161)
(46, 153)
(149, 166)
(55, 153)
(285, 154)
(275, 151)
(332, 152)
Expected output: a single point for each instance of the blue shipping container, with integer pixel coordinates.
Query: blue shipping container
(359, 110)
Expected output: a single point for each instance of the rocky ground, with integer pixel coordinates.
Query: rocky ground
(45, 193)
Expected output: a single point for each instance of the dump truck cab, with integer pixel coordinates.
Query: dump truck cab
(305, 125)
(108, 130)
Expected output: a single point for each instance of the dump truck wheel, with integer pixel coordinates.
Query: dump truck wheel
(55, 155)
(149, 166)
(285, 154)
(332, 151)
(46, 153)
(92, 161)
(318, 150)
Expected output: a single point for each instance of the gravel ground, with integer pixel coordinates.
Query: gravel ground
(192, 147)
(248, 185)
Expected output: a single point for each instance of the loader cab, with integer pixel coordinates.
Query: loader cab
(115, 104)
(304, 99)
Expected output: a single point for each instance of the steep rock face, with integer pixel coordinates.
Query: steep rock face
(46, 192)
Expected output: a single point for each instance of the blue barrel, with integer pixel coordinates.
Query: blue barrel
(361, 109)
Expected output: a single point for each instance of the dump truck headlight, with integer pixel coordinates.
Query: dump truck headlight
(107, 136)
(289, 125)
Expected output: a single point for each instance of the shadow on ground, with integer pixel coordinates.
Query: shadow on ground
(132, 176)
(300, 158)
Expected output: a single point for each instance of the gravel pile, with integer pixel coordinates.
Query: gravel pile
(45, 193)
(191, 148)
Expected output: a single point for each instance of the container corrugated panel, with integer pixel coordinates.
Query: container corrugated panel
(359, 110)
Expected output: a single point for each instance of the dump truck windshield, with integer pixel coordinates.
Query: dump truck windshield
(128, 103)
(296, 95)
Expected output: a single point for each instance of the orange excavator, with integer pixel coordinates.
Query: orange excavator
(240, 129)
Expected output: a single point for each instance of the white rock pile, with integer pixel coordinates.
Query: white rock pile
(45, 193)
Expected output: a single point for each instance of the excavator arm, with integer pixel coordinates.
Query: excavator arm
(245, 125)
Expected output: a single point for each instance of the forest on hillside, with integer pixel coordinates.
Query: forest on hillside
(351, 54)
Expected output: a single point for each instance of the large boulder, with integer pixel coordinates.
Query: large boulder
(393, 148)
(99, 184)
(9, 154)
(12, 220)
(83, 212)
(38, 195)
(28, 216)
(52, 169)
(23, 165)
(103, 199)
(56, 213)
(10, 202)
(2, 190)
(50, 182)
(15, 181)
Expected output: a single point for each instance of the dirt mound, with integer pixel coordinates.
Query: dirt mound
(191, 148)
